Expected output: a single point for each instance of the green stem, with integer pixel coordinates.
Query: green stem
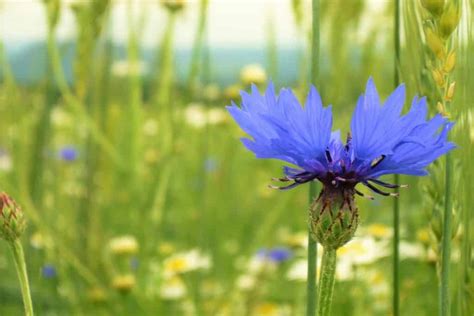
(315, 49)
(326, 281)
(396, 201)
(312, 263)
(20, 265)
(396, 252)
(446, 241)
(198, 46)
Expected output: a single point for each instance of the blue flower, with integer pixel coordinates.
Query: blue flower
(276, 254)
(279, 254)
(48, 271)
(68, 153)
(381, 141)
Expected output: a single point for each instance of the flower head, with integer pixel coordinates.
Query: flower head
(183, 262)
(275, 255)
(381, 141)
(48, 271)
(68, 153)
(124, 245)
(12, 219)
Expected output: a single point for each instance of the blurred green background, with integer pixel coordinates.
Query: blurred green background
(140, 198)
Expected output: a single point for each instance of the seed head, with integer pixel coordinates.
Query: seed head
(435, 43)
(449, 20)
(12, 220)
(450, 62)
(450, 92)
(435, 7)
(438, 77)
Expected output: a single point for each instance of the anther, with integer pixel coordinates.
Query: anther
(364, 195)
(328, 156)
(377, 161)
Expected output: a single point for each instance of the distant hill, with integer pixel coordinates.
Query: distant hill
(29, 61)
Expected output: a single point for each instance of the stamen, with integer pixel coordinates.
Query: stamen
(328, 156)
(376, 161)
(348, 141)
(364, 195)
(376, 190)
(284, 179)
(388, 185)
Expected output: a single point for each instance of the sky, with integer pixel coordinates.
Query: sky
(231, 22)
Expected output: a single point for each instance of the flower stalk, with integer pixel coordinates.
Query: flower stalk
(19, 257)
(326, 281)
(446, 240)
(312, 263)
(12, 226)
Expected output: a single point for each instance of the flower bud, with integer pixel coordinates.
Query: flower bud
(334, 217)
(435, 7)
(124, 283)
(123, 245)
(450, 62)
(435, 43)
(449, 21)
(12, 220)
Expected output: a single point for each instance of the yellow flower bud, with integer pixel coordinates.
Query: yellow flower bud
(124, 245)
(435, 7)
(124, 283)
(450, 92)
(435, 43)
(450, 62)
(438, 77)
(449, 20)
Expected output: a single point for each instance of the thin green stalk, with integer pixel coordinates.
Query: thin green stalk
(311, 303)
(75, 104)
(446, 241)
(198, 45)
(315, 44)
(396, 252)
(272, 49)
(396, 201)
(312, 263)
(326, 281)
(18, 255)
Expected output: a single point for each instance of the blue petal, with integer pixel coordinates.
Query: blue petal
(281, 128)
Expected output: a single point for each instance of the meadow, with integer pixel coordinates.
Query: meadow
(141, 200)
